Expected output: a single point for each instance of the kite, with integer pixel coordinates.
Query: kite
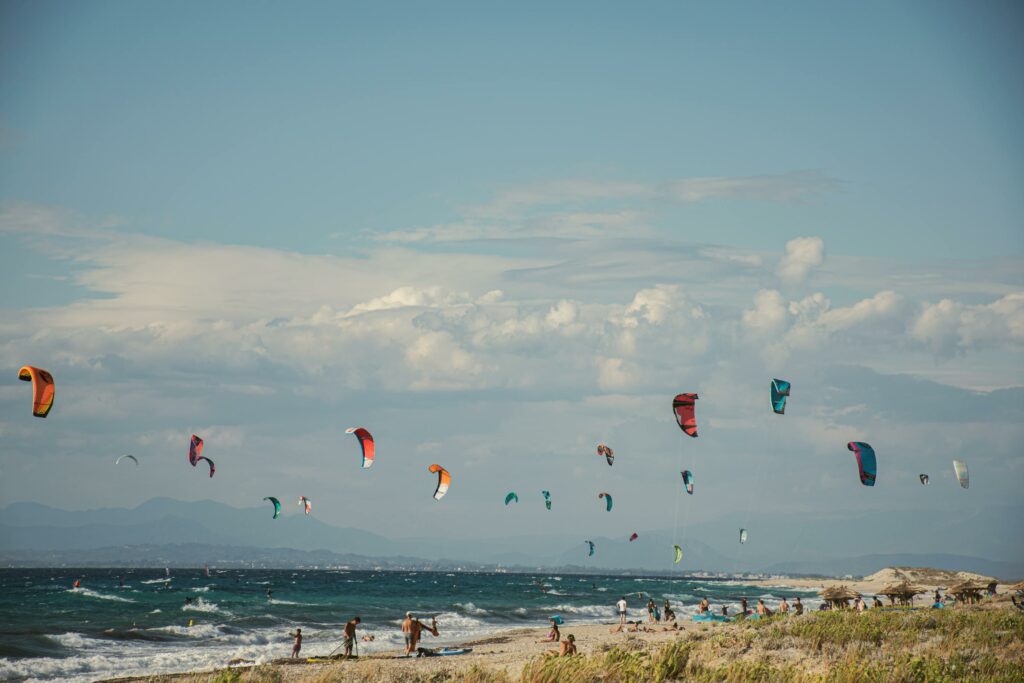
(444, 480)
(42, 389)
(510, 497)
(961, 473)
(277, 506)
(607, 500)
(133, 458)
(780, 390)
(306, 503)
(591, 544)
(923, 478)
(688, 481)
(743, 535)
(607, 452)
(547, 499)
(366, 441)
(195, 450)
(213, 468)
(679, 553)
(682, 407)
(633, 537)
(866, 464)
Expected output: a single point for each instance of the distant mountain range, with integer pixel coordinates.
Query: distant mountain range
(166, 532)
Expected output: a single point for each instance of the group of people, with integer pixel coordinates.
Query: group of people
(412, 630)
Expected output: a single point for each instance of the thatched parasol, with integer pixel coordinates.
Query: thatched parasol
(838, 595)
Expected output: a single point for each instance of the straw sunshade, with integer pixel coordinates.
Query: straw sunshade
(838, 594)
(903, 589)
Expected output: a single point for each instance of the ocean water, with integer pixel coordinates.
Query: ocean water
(130, 622)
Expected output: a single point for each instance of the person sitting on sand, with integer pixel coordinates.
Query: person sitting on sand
(553, 634)
(350, 636)
(298, 642)
(566, 649)
(798, 607)
(703, 606)
(762, 609)
(783, 606)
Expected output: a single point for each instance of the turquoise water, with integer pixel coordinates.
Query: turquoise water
(127, 622)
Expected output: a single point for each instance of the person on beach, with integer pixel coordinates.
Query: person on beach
(669, 614)
(798, 607)
(702, 608)
(553, 634)
(861, 606)
(666, 608)
(298, 642)
(725, 610)
(412, 629)
(762, 609)
(567, 648)
(407, 633)
(650, 610)
(783, 606)
(743, 606)
(621, 605)
(876, 603)
(350, 636)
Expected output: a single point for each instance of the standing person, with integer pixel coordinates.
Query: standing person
(762, 609)
(415, 630)
(407, 632)
(650, 610)
(270, 594)
(621, 605)
(298, 642)
(743, 606)
(876, 603)
(703, 606)
(783, 606)
(666, 610)
(350, 636)
(860, 605)
(798, 607)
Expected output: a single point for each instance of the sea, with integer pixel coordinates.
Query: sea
(148, 621)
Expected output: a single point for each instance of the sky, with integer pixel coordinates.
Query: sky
(497, 236)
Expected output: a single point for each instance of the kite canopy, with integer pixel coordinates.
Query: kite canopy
(42, 389)
(510, 497)
(366, 441)
(306, 503)
(444, 480)
(607, 452)
(682, 408)
(591, 544)
(743, 535)
(277, 506)
(679, 553)
(633, 537)
(547, 499)
(688, 481)
(923, 478)
(130, 457)
(780, 390)
(213, 468)
(866, 465)
(195, 450)
(960, 467)
(607, 500)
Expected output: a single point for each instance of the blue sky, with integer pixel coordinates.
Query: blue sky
(481, 227)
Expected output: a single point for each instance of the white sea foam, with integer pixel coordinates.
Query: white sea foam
(165, 580)
(200, 589)
(101, 596)
(470, 608)
(200, 605)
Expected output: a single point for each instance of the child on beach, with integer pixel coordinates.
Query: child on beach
(298, 642)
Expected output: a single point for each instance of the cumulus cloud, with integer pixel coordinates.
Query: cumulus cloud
(803, 255)
(949, 327)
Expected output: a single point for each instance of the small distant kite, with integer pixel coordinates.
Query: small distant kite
(923, 478)
(305, 503)
(444, 480)
(960, 467)
(510, 497)
(743, 535)
(277, 506)
(688, 481)
(679, 554)
(866, 464)
(607, 452)
(591, 544)
(130, 457)
(607, 500)
(42, 389)
(633, 537)
(780, 390)
(683, 409)
(547, 499)
(195, 450)
(366, 441)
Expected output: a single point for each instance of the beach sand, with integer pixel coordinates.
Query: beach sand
(870, 585)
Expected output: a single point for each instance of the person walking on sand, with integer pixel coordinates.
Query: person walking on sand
(407, 633)
(783, 606)
(553, 634)
(621, 605)
(350, 636)
(298, 642)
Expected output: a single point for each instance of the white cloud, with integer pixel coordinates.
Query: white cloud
(803, 255)
(949, 327)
